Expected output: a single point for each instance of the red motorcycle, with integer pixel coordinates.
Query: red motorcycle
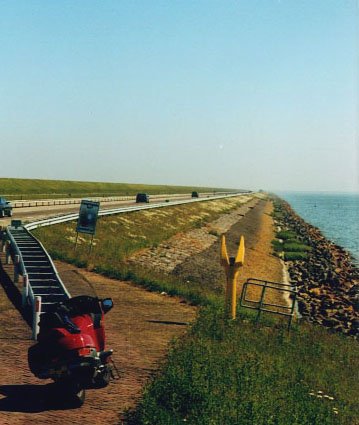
(71, 348)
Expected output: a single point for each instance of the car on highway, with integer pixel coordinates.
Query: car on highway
(142, 197)
(5, 207)
(195, 195)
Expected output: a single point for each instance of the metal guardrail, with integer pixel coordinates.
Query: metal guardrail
(42, 286)
(51, 202)
(74, 216)
(261, 305)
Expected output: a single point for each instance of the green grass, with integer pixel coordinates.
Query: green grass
(222, 371)
(285, 234)
(34, 188)
(232, 372)
(118, 237)
(287, 243)
(277, 214)
(296, 246)
(277, 245)
(292, 249)
(293, 256)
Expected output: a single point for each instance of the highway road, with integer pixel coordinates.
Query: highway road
(28, 214)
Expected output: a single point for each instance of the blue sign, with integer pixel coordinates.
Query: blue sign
(87, 217)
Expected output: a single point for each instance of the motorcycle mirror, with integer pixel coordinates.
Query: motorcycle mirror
(107, 304)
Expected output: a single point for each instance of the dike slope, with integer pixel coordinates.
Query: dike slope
(139, 327)
(328, 281)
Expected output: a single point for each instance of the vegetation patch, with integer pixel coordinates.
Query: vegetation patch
(296, 246)
(233, 372)
(277, 214)
(293, 256)
(51, 189)
(288, 244)
(285, 235)
(118, 237)
(277, 245)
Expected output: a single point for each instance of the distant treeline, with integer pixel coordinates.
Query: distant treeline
(33, 188)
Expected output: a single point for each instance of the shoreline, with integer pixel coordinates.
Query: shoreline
(315, 209)
(327, 282)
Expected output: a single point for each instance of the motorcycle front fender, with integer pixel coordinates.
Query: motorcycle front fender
(76, 341)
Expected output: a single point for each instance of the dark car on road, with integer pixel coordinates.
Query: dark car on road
(195, 195)
(5, 207)
(142, 197)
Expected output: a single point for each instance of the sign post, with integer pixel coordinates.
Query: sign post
(87, 220)
(231, 267)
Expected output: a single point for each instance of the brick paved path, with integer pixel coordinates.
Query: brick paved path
(138, 329)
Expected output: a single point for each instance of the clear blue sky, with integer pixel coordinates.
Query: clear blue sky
(243, 94)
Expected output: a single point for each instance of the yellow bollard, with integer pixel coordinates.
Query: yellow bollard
(231, 267)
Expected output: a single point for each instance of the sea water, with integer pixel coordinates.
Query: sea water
(335, 215)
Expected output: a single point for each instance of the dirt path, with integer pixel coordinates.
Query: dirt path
(257, 229)
(139, 329)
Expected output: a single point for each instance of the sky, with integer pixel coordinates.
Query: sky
(253, 94)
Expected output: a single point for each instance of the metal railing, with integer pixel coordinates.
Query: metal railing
(261, 305)
(120, 210)
(41, 283)
(50, 202)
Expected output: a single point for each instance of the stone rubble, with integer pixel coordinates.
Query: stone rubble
(168, 254)
(327, 282)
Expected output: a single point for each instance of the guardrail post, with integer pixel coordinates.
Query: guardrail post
(25, 290)
(36, 317)
(231, 267)
(7, 252)
(16, 268)
(3, 241)
(261, 302)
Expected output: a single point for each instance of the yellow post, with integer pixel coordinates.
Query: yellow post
(231, 267)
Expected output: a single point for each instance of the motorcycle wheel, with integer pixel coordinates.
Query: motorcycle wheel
(78, 397)
(102, 380)
(72, 393)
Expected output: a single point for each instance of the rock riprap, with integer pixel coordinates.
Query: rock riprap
(327, 281)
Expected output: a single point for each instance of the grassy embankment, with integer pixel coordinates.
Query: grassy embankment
(224, 372)
(117, 237)
(51, 189)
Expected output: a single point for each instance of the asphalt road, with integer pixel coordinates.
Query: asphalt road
(28, 214)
